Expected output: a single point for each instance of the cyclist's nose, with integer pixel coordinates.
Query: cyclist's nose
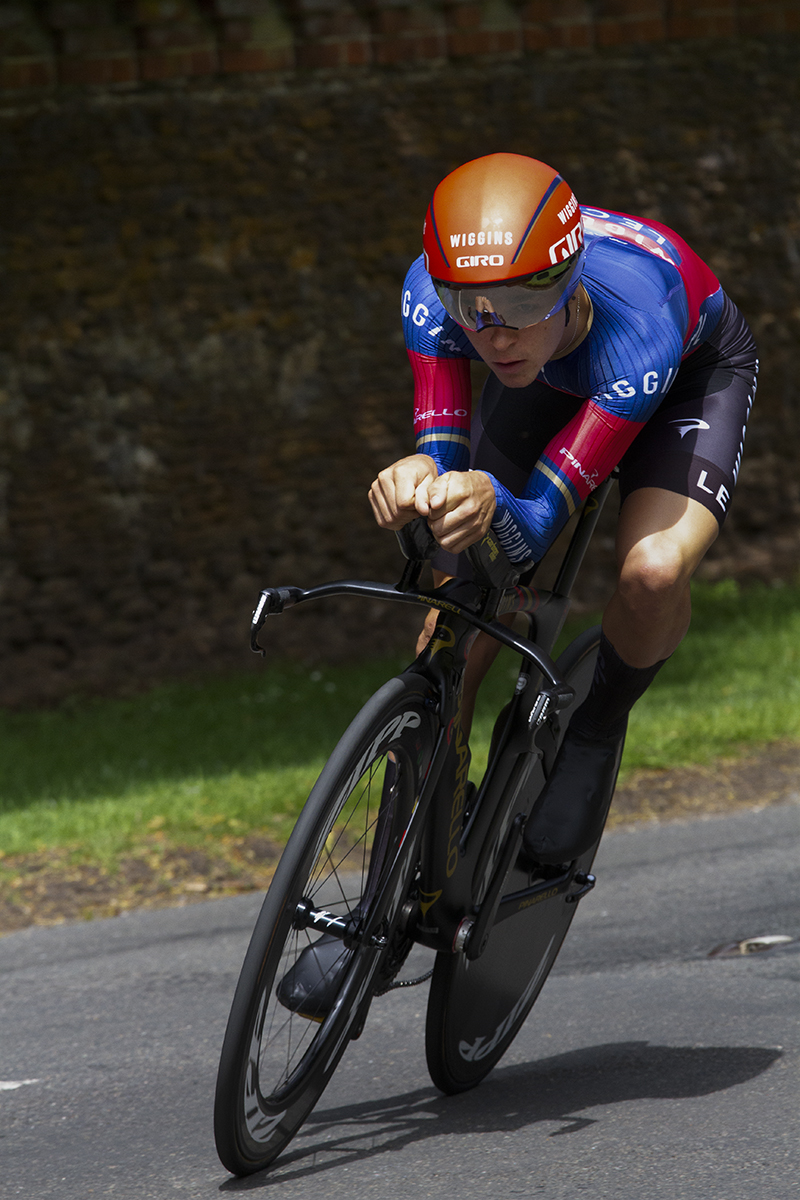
(502, 337)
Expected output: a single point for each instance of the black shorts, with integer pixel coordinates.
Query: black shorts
(692, 445)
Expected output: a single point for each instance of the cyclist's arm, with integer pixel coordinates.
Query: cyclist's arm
(442, 409)
(440, 355)
(457, 503)
(459, 508)
(574, 463)
(624, 368)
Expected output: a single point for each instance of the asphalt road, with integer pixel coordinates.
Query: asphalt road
(647, 1071)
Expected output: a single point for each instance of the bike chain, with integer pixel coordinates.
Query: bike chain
(404, 983)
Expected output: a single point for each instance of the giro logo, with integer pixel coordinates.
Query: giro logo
(480, 260)
(685, 427)
(568, 245)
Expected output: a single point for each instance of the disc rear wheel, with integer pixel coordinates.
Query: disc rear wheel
(475, 1009)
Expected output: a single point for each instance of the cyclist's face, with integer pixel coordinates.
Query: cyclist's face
(516, 356)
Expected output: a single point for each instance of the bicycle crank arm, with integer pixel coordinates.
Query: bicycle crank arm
(545, 889)
(548, 701)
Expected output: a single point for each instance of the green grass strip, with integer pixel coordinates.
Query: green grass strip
(195, 762)
(733, 683)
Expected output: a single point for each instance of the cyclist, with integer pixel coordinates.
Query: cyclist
(610, 343)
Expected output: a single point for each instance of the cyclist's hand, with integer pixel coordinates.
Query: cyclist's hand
(460, 506)
(393, 495)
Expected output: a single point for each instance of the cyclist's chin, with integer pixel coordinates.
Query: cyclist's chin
(516, 375)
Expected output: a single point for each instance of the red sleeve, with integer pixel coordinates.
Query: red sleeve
(585, 451)
(442, 409)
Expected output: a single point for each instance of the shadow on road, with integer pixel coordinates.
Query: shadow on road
(553, 1089)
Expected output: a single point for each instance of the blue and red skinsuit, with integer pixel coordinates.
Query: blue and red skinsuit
(654, 302)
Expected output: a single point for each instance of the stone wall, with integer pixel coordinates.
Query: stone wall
(201, 361)
(63, 43)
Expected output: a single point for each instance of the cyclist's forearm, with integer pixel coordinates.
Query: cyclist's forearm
(526, 528)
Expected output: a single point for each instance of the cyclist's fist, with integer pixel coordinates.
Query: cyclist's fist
(399, 491)
(460, 507)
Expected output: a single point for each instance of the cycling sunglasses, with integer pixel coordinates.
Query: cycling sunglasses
(516, 304)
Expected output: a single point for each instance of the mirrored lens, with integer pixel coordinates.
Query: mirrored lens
(515, 305)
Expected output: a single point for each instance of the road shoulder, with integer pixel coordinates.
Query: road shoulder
(50, 887)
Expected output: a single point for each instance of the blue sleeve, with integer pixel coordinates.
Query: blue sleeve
(426, 326)
(631, 357)
(623, 369)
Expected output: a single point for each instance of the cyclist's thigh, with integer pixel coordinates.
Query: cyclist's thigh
(693, 444)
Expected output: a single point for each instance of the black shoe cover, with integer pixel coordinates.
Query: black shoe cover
(572, 809)
(310, 988)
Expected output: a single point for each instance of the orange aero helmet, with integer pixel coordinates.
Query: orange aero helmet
(503, 242)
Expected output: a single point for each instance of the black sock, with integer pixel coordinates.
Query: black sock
(615, 689)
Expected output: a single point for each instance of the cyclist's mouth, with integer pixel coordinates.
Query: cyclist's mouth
(513, 365)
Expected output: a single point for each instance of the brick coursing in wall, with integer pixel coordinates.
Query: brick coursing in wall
(52, 43)
(201, 366)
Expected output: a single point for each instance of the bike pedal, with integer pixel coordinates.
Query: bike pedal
(585, 882)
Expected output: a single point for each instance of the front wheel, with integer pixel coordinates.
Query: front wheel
(275, 1062)
(476, 1009)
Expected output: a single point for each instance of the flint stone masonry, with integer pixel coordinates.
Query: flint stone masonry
(202, 366)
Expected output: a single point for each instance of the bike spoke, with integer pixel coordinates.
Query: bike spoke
(339, 856)
(361, 845)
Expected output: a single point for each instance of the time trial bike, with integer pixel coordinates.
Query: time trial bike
(395, 846)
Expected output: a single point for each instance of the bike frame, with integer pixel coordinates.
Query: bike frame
(465, 856)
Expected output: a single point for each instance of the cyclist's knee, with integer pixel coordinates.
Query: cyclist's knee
(654, 574)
